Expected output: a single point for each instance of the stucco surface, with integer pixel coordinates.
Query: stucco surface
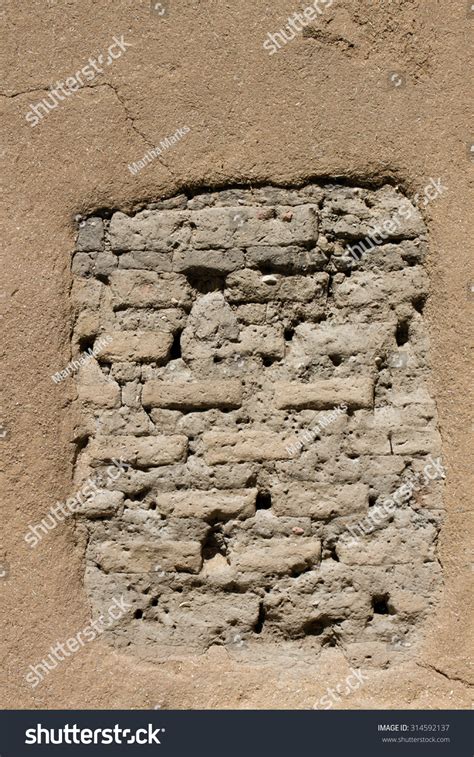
(324, 105)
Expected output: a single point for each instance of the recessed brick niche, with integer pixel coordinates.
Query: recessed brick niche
(235, 320)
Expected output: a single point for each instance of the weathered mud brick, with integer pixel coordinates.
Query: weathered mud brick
(140, 556)
(86, 294)
(241, 446)
(249, 285)
(267, 341)
(147, 289)
(264, 395)
(137, 346)
(217, 262)
(367, 289)
(90, 235)
(141, 451)
(320, 501)
(319, 395)
(244, 226)
(389, 546)
(104, 504)
(106, 394)
(147, 260)
(208, 505)
(185, 622)
(415, 442)
(96, 389)
(288, 260)
(149, 230)
(192, 395)
(279, 556)
(343, 340)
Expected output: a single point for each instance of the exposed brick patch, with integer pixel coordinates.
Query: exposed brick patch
(237, 322)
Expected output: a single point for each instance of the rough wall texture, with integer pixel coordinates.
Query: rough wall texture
(320, 107)
(265, 391)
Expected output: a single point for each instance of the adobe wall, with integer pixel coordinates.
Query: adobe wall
(370, 97)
